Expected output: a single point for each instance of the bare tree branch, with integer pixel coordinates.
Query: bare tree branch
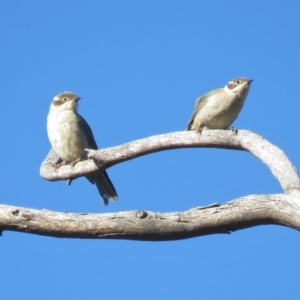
(269, 154)
(281, 209)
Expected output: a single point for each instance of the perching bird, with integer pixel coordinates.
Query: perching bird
(219, 108)
(70, 134)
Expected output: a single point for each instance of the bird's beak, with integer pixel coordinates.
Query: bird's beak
(77, 98)
(250, 80)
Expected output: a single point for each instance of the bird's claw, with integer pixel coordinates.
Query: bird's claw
(199, 129)
(57, 166)
(74, 162)
(234, 130)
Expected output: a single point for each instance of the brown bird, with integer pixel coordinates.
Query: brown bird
(219, 108)
(70, 134)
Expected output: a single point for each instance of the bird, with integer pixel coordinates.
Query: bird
(69, 134)
(219, 108)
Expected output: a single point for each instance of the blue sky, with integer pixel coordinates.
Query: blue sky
(139, 66)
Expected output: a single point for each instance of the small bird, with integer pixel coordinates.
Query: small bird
(70, 134)
(219, 108)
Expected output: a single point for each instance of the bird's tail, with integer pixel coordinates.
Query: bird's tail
(104, 185)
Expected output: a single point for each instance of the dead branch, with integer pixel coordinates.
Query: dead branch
(281, 209)
(254, 210)
(269, 154)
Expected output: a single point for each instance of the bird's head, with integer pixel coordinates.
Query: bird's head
(238, 86)
(65, 101)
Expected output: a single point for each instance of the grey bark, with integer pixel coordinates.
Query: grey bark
(253, 210)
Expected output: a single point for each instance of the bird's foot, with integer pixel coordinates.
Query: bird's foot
(199, 129)
(234, 130)
(57, 166)
(74, 162)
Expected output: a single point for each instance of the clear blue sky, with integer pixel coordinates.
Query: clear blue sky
(139, 66)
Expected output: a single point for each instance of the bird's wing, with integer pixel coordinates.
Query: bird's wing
(88, 131)
(199, 104)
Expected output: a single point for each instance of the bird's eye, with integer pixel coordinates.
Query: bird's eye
(64, 99)
(238, 81)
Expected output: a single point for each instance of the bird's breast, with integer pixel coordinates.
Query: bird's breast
(220, 111)
(65, 135)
